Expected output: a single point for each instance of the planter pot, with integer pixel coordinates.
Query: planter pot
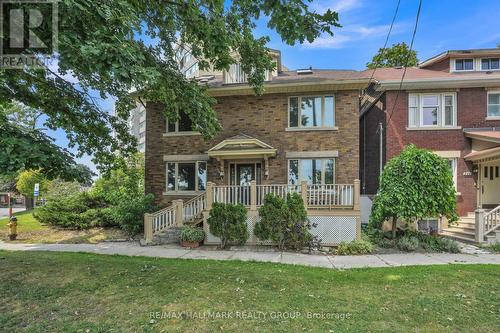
(190, 244)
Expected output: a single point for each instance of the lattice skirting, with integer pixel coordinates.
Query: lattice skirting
(332, 230)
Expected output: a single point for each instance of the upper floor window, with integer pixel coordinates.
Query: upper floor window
(494, 104)
(464, 64)
(490, 64)
(432, 110)
(311, 112)
(317, 171)
(184, 124)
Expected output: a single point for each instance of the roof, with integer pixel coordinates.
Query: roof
(492, 135)
(390, 78)
(459, 54)
(483, 154)
(241, 145)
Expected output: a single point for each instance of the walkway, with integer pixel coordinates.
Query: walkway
(319, 260)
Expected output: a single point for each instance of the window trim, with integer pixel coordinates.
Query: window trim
(489, 60)
(488, 117)
(454, 63)
(177, 132)
(322, 169)
(441, 112)
(454, 171)
(299, 126)
(176, 177)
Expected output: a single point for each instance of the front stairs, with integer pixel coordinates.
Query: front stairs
(465, 229)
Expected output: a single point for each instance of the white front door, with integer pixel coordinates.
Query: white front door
(490, 187)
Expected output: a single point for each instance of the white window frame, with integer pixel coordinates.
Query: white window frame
(489, 60)
(323, 165)
(488, 117)
(176, 176)
(299, 115)
(454, 65)
(441, 112)
(454, 171)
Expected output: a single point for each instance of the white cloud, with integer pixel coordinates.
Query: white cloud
(322, 6)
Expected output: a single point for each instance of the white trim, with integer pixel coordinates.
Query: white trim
(433, 128)
(453, 65)
(495, 92)
(441, 110)
(185, 158)
(448, 154)
(190, 133)
(312, 154)
(299, 126)
(493, 118)
(305, 129)
(480, 64)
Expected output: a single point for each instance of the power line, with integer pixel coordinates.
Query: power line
(407, 59)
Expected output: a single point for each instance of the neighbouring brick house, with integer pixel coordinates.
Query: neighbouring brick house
(301, 135)
(449, 104)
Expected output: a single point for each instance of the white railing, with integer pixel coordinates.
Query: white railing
(330, 195)
(163, 219)
(280, 190)
(231, 194)
(193, 207)
(492, 220)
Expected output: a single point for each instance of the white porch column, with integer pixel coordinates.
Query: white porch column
(479, 237)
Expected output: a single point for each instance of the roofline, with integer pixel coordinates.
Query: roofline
(245, 89)
(444, 55)
(449, 82)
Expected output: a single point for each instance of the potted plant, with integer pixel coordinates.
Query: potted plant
(191, 236)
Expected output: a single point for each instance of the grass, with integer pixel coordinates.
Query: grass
(29, 230)
(76, 292)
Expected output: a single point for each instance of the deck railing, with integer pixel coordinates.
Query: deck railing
(281, 190)
(486, 223)
(231, 194)
(334, 195)
(163, 219)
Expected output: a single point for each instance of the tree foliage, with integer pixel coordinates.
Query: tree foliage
(416, 184)
(27, 179)
(397, 55)
(110, 47)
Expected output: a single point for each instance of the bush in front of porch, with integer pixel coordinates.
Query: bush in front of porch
(228, 222)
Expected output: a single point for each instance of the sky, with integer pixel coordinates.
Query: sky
(444, 25)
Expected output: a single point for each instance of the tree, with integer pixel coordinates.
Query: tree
(111, 47)
(26, 181)
(397, 55)
(416, 184)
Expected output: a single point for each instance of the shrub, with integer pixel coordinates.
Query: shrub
(407, 243)
(129, 212)
(386, 243)
(495, 247)
(228, 222)
(285, 222)
(192, 234)
(355, 247)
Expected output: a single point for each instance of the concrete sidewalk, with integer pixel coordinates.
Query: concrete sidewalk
(318, 260)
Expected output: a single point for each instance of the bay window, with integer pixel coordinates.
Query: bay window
(432, 110)
(186, 176)
(311, 112)
(494, 104)
(314, 171)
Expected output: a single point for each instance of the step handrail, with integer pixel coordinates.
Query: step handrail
(492, 220)
(194, 207)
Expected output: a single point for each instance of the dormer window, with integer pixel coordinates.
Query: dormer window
(490, 64)
(464, 64)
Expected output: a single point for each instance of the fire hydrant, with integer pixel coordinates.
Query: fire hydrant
(12, 228)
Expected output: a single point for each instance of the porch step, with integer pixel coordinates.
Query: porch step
(168, 236)
(466, 238)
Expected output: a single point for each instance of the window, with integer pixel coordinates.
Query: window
(311, 112)
(186, 176)
(453, 166)
(184, 124)
(432, 110)
(490, 64)
(464, 64)
(314, 171)
(493, 104)
(192, 71)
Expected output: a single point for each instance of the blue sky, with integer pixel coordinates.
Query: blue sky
(444, 25)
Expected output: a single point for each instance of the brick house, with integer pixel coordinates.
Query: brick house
(449, 104)
(301, 135)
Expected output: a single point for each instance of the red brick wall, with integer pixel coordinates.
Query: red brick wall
(471, 112)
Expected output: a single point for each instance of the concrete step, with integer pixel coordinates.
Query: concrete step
(471, 214)
(459, 237)
(460, 230)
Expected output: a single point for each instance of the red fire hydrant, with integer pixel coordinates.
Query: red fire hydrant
(12, 228)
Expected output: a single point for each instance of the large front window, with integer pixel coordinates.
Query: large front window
(186, 176)
(432, 110)
(311, 112)
(314, 171)
(494, 104)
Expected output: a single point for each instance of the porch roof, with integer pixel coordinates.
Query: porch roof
(241, 146)
(491, 153)
(486, 135)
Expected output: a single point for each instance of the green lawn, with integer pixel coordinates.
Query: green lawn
(74, 292)
(29, 230)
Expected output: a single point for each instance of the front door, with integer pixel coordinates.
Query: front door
(242, 174)
(491, 184)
